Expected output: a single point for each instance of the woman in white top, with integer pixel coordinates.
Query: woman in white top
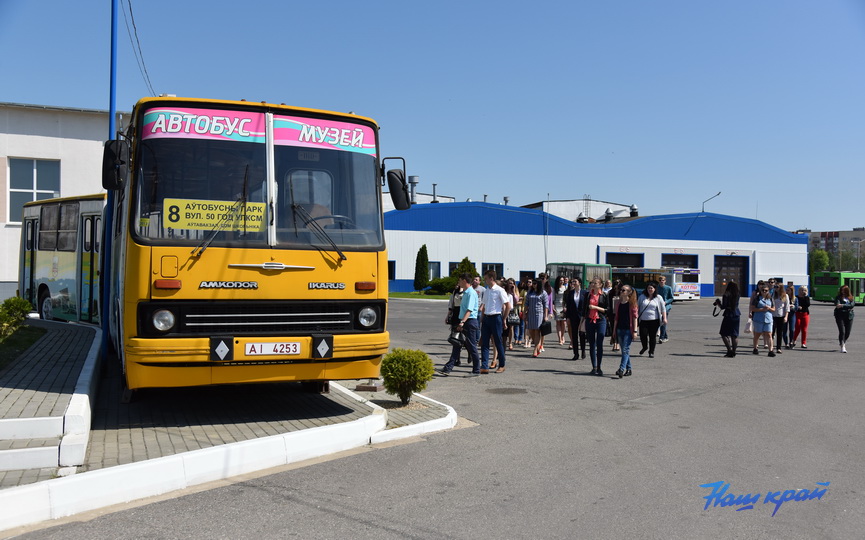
(652, 313)
(559, 307)
(779, 318)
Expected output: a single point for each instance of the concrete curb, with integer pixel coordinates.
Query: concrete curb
(79, 413)
(61, 497)
(413, 430)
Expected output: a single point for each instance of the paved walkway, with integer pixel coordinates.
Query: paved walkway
(166, 422)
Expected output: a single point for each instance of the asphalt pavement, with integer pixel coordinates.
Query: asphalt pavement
(693, 445)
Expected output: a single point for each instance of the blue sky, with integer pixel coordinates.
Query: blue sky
(657, 103)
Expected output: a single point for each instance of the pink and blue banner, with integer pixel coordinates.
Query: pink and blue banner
(243, 126)
(326, 134)
(183, 123)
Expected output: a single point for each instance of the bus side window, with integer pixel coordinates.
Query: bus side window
(87, 237)
(29, 240)
(97, 233)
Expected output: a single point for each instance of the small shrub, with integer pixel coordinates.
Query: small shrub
(13, 311)
(405, 371)
(445, 285)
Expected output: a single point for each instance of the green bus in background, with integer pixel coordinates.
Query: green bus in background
(825, 285)
(585, 272)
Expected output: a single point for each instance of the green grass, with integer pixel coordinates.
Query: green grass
(418, 295)
(12, 347)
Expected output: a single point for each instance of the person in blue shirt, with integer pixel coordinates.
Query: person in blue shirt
(468, 325)
(762, 308)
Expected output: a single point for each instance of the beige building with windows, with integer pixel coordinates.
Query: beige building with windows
(44, 152)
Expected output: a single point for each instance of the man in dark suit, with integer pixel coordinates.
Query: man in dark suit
(574, 298)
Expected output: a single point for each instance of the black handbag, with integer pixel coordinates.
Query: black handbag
(546, 328)
(457, 338)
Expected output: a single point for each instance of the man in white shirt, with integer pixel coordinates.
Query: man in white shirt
(495, 306)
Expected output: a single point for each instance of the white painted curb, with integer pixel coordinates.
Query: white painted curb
(439, 424)
(71, 495)
(76, 420)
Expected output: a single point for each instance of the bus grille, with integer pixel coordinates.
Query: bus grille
(247, 318)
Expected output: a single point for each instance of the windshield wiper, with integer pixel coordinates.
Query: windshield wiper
(316, 228)
(226, 218)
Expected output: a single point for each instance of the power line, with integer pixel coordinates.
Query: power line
(136, 45)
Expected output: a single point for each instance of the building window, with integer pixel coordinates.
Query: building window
(625, 260)
(391, 270)
(31, 180)
(675, 260)
(498, 267)
(435, 270)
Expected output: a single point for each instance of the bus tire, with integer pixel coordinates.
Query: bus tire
(126, 395)
(46, 308)
(316, 387)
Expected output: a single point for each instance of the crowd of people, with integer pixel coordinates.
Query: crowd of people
(507, 314)
(511, 314)
(780, 316)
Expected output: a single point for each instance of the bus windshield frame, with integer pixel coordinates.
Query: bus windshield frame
(255, 179)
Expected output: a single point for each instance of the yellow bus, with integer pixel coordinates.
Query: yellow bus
(59, 260)
(246, 244)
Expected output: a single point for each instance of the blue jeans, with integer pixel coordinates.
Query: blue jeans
(664, 326)
(471, 330)
(492, 326)
(625, 335)
(595, 332)
(520, 330)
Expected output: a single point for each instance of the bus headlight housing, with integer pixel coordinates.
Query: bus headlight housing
(163, 320)
(367, 317)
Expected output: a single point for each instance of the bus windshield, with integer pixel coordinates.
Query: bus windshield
(195, 190)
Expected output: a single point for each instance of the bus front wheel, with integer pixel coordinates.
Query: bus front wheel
(46, 308)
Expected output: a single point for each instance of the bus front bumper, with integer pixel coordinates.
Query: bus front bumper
(174, 362)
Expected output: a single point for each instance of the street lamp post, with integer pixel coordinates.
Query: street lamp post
(709, 199)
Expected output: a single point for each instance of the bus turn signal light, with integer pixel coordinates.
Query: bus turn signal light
(166, 284)
(364, 285)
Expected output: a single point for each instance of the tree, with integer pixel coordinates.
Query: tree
(818, 260)
(464, 266)
(421, 269)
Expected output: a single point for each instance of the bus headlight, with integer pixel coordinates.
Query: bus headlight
(367, 317)
(163, 320)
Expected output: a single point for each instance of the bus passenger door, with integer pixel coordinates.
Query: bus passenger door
(89, 268)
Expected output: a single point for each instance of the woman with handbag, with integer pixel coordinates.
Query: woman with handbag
(513, 315)
(844, 304)
(456, 337)
(803, 317)
(595, 314)
(729, 304)
(559, 307)
(536, 312)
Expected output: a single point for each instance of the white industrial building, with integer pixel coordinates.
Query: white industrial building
(517, 241)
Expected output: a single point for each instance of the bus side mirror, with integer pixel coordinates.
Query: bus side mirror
(398, 189)
(115, 164)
